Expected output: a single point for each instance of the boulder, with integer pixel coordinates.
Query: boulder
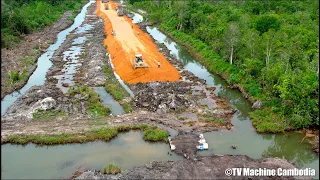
(257, 104)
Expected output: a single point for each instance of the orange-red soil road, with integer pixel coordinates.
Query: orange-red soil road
(129, 40)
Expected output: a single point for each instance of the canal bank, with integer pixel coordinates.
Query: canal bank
(241, 139)
(242, 135)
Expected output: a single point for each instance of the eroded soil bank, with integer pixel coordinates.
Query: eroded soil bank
(204, 168)
(185, 106)
(23, 57)
(313, 133)
(80, 59)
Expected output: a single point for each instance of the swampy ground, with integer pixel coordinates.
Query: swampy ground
(170, 98)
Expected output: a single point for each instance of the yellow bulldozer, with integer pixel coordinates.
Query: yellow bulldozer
(138, 62)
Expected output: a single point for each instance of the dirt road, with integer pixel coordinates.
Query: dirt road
(128, 41)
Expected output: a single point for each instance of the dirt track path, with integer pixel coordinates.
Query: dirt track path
(128, 41)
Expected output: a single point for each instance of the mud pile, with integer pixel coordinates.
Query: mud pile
(186, 145)
(48, 97)
(205, 168)
(27, 103)
(161, 96)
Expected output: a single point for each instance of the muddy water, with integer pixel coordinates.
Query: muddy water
(107, 99)
(69, 69)
(127, 150)
(39, 75)
(242, 135)
(137, 18)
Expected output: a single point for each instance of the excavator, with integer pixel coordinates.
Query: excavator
(119, 10)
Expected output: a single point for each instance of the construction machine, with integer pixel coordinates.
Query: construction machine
(138, 62)
(119, 10)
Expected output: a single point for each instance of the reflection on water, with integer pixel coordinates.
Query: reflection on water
(107, 99)
(127, 150)
(71, 57)
(243, 135)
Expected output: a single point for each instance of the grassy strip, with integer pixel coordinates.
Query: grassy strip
(127, 107)
(113, 86)
(155, 134)
(111, 169)
(152, 133)
(27, 61)
(116, 90)
(94, 105)
(210, 118)
(44, 115)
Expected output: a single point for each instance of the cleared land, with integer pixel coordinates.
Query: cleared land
(128, 41)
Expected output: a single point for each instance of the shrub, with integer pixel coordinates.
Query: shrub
(111, 169)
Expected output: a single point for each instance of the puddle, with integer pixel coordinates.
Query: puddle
(116, 108)
(84, 28)
(39, 75)
(210, 103)
(53, 162)
(79, 40)
(137, 18)
(69, 68)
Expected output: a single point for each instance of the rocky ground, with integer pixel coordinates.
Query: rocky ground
(212, 167)
(28, 49)
(184, 108)
(85, 67)
(189, 102)
(194, 166)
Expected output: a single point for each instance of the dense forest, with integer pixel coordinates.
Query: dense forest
(19, 17)
(269, 48)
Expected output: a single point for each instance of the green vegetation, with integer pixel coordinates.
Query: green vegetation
(209, 117)
(111, 169)
(182, 118)
(15, 76)
(105, 134)
(269, 48)
(49, 114)
(113, 86)
(93, 103)
(155, 134)
(126, 107)
(20, 17)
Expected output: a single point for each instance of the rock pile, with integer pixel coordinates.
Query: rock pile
(161, 96)
(37, 97)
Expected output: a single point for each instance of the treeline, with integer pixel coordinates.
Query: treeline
(270, 48)
(20, 17)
